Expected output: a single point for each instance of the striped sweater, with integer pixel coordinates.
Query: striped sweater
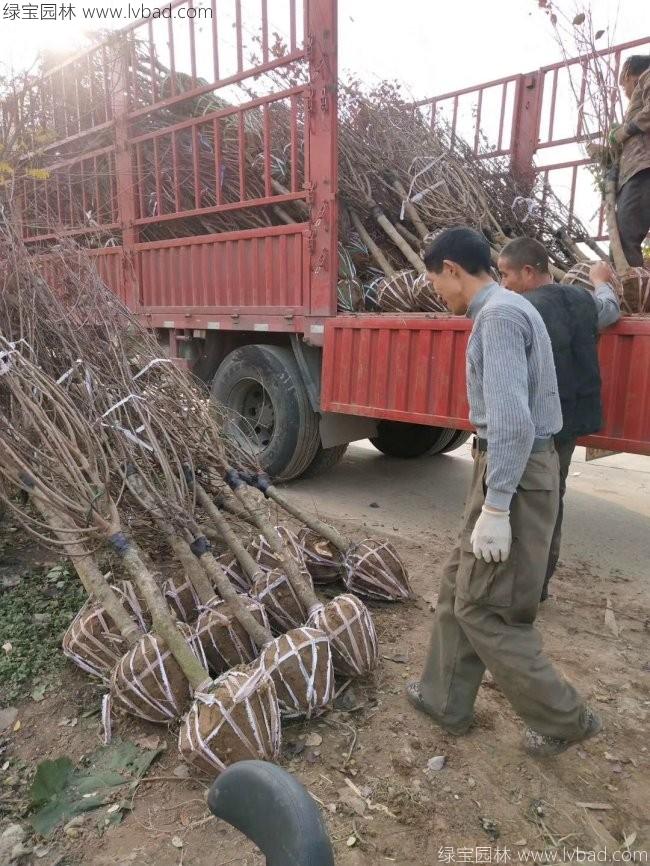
(511, 385)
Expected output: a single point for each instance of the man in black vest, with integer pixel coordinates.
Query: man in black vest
(573, 317)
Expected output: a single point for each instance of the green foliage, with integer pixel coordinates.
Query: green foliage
(34, 614)
(60, 791)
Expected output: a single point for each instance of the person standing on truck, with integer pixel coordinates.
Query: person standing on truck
(491, 584)
(573, 317)
(632, 141)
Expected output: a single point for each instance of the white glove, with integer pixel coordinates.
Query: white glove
(491, 537)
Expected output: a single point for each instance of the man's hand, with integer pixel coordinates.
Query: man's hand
(618, 136)
(596, 151)
(492, 536)
(601, 272)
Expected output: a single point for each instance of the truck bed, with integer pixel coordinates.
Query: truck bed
(412, 368)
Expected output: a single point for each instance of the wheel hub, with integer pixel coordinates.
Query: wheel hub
(255, 416)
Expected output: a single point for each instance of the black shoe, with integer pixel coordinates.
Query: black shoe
(542, 746)
(414, 697)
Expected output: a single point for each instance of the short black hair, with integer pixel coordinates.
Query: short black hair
(526, 251)
(635, 65)
(464, 246)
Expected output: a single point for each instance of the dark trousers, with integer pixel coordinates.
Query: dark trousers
(633, 216)
(565, 451)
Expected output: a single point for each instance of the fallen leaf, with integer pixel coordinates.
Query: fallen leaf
(398, 658)
(7, 718)
(177, 842)
(352, 841)
(313, 740)
(61, 792)
(151, 742)
(355, 804)
(596, 807)
(490, 826)
(610, 619)
(17, 726)
(629, 839)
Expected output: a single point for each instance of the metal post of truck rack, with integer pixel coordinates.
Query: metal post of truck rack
(321, 32)
(125, 183)
(525, 127)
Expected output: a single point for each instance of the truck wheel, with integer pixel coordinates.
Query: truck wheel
(400, 439)
(267, 408)
(459, 438)
(326, 458)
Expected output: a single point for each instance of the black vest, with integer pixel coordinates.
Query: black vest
(571, 319)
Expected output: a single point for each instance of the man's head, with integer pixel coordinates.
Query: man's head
(632, 70)
(458, 264)
(523, 265)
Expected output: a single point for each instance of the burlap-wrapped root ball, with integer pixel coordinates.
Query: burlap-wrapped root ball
(300, 665)
(636, 291)
(181, 597)
(223, 642)
(347, 623)
(349, 294)
(148, 682)
(395, 294)
(374, 569)
(275, 592)
(234, 572)
(264, 556)
(93, 641)
(325, 563)
(238, 720)
(425, 297)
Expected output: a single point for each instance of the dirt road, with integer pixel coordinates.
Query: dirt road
(369, 772)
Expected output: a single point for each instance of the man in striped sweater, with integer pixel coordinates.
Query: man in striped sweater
(490, 587)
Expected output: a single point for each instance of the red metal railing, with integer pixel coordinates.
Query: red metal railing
(528, 122)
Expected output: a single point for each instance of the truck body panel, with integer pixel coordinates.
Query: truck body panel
(409, 368)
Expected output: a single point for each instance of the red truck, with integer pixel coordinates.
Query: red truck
(254, 311)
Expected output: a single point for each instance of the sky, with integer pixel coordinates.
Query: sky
(431, 46)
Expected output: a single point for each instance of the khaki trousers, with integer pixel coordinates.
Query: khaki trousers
(485, 614)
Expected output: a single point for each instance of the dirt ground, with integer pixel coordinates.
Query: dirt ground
(369, 774)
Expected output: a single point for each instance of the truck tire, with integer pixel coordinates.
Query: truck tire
(267, 408)
(401, 439)
(325, 459)
(459, 438)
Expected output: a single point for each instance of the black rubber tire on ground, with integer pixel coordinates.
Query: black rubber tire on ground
(459, 438)
(325, 459)
(267, 377)
(401, 439)
(273, 809)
